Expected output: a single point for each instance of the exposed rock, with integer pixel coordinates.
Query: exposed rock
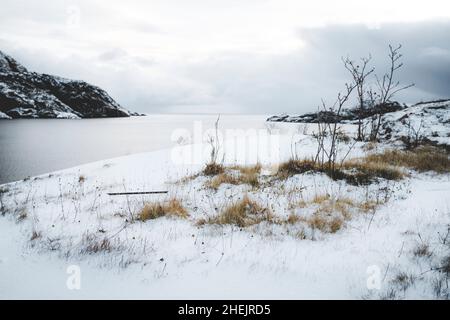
(25, 94)
(424, 122)
(427, 122)
(347, 115)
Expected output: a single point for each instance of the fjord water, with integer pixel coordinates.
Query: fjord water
(30, 147)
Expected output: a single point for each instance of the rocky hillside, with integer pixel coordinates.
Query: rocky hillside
(346, 115)
(422, 122)
(25, 94)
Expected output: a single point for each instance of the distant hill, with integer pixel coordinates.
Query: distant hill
(429, 120)
(25, 94)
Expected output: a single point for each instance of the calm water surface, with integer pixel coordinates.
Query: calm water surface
(32, 147)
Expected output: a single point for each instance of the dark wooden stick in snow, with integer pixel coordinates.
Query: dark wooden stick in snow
(135, 193)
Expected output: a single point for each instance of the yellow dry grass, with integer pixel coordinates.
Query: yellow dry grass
(420, 159)
(173, 208)
(243, 213)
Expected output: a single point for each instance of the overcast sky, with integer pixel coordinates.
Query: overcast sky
(250, 56)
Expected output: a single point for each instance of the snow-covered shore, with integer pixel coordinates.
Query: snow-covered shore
(51, 221)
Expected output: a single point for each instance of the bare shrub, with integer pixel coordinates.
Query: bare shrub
(359, 72)
(329, 130)
(212, 169)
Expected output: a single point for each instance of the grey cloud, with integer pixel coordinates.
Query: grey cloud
(113, 54)
(294, 82)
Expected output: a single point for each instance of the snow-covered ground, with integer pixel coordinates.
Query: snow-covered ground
(54, 225)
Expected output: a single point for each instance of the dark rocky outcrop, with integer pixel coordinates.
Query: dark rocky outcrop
(25, 94)
(347, 115)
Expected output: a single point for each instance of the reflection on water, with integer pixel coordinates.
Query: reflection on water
(32, 147)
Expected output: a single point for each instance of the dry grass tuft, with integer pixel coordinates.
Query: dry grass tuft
(223, 178)
(368, 205)
(293, 219)
(445, 265)
(187, 178)
(248, 170)
(172, 208)
(403, 280)
(242, 213)
(212, 169)
(23, 214)
(421, 159)
(422, 250)
(247, 175)
(356, 172)
(35, 235)
(325, 223)
(293, 167)
(364, 171)
(318, 199)
(92, 244)
(4, 190)
(331, 213)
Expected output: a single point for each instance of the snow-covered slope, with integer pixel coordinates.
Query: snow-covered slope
(425, 120)
(25, 94)
(428, 121)
(66, 219)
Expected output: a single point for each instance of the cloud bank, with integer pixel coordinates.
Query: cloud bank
(160, 57)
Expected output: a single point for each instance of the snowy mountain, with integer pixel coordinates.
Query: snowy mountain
(25, 94)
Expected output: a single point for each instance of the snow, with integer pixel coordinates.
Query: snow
(175, 258)
(4, 116)
(431, 120)
(66, 115)
(427, 119)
